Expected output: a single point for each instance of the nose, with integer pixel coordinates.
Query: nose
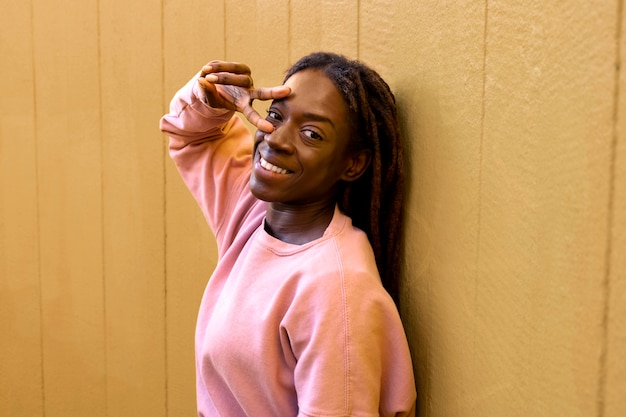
(279, 139)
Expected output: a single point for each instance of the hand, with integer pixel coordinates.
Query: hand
(229, 85)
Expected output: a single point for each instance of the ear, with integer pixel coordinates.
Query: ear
(357, 164)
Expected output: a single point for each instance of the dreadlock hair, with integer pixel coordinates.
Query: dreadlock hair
(374, 201)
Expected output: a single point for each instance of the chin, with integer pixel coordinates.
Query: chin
(258, 191)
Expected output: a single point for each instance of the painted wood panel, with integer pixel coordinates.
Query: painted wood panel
(613, 384)
(131, 65)
(21, 391)
(69, 165)
(544, 200)
(323, 25)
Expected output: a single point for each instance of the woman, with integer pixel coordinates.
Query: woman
(295, 320)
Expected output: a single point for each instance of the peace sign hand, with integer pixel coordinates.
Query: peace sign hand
(229, 85)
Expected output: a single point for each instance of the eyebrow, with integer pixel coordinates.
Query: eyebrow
(318, 118)
(307, 115)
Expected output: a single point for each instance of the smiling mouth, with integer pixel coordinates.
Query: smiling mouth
(271, 167)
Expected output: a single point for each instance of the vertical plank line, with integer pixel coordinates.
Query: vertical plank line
(224, 40)
(606, 284)
(480, 161)
(358, 29)
(102, 214)
(164, 148)
(38, 209)
(289, 57)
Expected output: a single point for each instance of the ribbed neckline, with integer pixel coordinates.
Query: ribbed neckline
(277, 246)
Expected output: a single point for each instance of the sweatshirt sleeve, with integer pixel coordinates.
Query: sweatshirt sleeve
(212, 150)
(348, 342)
(354, 360)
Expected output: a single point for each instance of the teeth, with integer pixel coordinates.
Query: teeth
(273, 168)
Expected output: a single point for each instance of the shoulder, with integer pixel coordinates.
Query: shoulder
(354, 255)
(345, 330)
(339, 273)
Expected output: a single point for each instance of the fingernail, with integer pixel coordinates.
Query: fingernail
(211, 78)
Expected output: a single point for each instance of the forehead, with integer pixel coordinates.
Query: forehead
(314, 90)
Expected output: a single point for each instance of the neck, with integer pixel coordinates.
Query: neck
(298, 225)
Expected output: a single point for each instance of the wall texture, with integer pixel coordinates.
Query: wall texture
(514, 112)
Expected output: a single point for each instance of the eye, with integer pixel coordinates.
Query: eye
(273, 115)
(312, 134)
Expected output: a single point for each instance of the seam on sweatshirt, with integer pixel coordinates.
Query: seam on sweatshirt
(346, 319)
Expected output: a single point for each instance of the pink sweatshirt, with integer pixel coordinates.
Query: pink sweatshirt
(283, 330)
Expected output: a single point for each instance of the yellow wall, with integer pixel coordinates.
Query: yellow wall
(514, 288)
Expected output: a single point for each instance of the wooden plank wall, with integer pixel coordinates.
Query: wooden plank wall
(514, 290)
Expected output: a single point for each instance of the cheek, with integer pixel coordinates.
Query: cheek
(258, 137)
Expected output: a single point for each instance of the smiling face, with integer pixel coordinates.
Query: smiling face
(306, 156)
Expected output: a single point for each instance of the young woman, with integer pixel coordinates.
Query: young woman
(296, 319)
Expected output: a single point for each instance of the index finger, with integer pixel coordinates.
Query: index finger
(270, 93)
(255, 118)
